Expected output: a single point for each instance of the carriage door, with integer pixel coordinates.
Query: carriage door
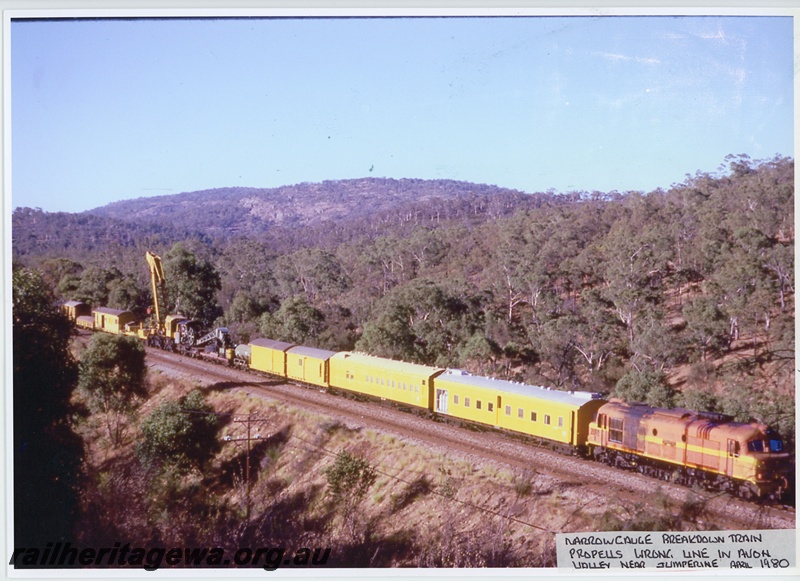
(733, 453)
(441, 401)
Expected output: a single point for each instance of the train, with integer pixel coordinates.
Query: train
(748, 460)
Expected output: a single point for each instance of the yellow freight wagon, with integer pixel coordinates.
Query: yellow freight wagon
(309, 365)
(408, 383)
(112, 320)
(269, 356)
(75, 309)
(558, 416)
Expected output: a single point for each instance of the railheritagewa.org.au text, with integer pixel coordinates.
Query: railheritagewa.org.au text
(64, 555)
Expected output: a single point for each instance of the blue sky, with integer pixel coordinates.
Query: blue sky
(104, 110)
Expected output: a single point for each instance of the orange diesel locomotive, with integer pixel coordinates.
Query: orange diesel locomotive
(690, 447)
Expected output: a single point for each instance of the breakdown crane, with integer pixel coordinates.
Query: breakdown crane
(157, 279)
(176, 332)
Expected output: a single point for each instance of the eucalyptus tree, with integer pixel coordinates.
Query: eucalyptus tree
(707, 326)
(47, 454)
(296, 321)
(192, 283)
(179, 434)
(112, 377)
(598, 332)
(316, 273)
(648, 387)
(422, 322)
(247, 272)
(741, 282)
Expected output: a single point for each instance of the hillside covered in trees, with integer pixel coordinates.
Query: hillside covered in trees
(683, 296)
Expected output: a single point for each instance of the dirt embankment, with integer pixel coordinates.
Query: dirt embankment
(441, 495)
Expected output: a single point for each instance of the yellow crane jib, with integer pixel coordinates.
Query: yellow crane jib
(154, 261)
(157, 278)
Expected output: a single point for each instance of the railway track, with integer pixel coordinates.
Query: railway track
(588, 480)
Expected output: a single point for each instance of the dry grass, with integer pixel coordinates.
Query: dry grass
(425, 508)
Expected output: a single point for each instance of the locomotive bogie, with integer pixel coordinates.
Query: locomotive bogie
(397, 381)
(309, 365)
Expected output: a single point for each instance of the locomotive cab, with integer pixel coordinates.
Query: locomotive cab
(769, 462)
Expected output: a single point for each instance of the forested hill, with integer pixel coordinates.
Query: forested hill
(251, 211)
(682, 296)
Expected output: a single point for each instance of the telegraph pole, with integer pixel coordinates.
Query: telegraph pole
(249, 421)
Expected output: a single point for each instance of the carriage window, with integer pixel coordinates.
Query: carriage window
(477, 404)
(533, 416)
(520, 413)
(455, 399)
(508, 410)
(755, 446)
(490, 406)
(546, 419)
(775, 445)
(615, 430)
(560, 422)
(466, 402)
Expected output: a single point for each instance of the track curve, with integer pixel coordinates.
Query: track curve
(593, 479)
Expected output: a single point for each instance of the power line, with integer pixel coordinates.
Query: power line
(436, 493)
(248, 421)
(248, 439)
